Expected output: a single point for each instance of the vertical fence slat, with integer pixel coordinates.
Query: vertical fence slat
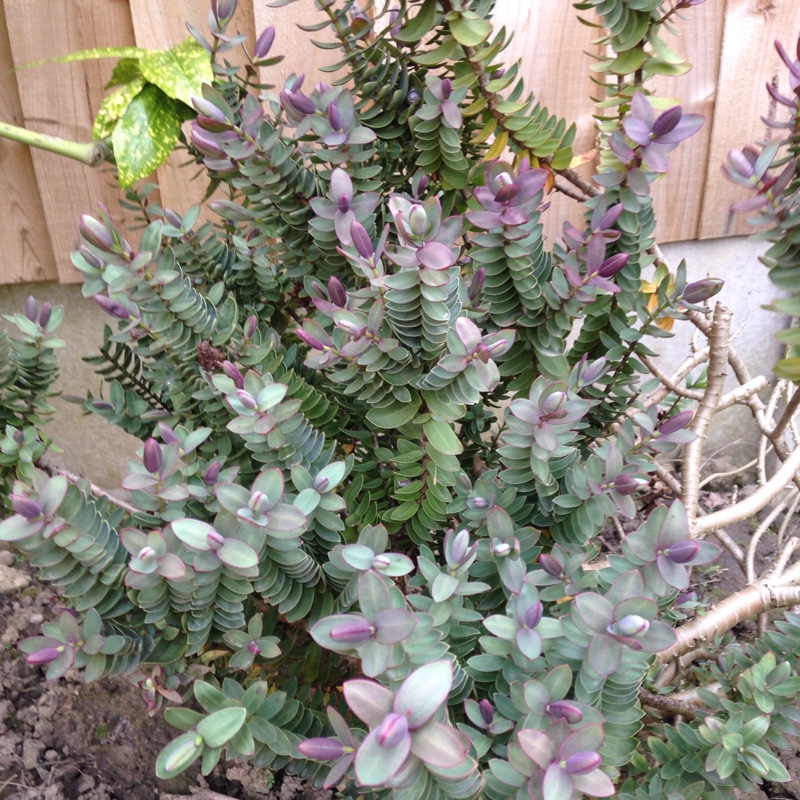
(60, 99)
(27, 255)
(554, 48)
(158, 25)
(678, 196)
(749, 60)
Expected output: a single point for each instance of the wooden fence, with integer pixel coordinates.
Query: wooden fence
(730, 43)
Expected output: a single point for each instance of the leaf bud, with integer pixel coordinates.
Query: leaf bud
(627, 484)
(336, 292)
(564, 709)
(246, 399)
(207, 109)
(233, 373)
(44, 656)
(499, 549)
(168, 436)
(476, 286)
(381, 562)
(253, 648)
(392, 730)
(418, 220)
(550, 565)
(321, 484)
(44, 317)
(682, 552)
(356, 631)
(361, 240)
(582, 763)
(533, 615)
(323, 748)
(487, 712)
(479, 502)
(497, 348)
(112, 307)
(459, 546)
(152, 456)
(446, 88)
(685, 598)
(611, 266)
(215, 540)
(350, 328)
(258, 503)
(264, 42)
(633, 625)
(553, 402)
(674, 424)
(334, 117)
(702, 290)
(251, 326)
(95, 233)
(147, 554)
(25, 507)
(31, 308)
(212, 473)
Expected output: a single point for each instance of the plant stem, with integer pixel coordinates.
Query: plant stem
(91, 153)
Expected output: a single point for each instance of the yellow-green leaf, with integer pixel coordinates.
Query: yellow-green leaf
(470, 31)
(125, 71)
(89, 55)
(413, 30)
(113, 107)
(629, 61)
(437, 56)
(179, 72)
(145, 135)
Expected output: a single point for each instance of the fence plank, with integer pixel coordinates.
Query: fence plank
(158, 25)
(60, 99)
(554, 48)
(678, 196)
(748, 61)
(27, 254)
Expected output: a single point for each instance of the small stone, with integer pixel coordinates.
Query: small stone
(51, 755)
(31, 750)
(7, 558)
(65, 750)
(36, 619)
(85, 782)
(12, 580)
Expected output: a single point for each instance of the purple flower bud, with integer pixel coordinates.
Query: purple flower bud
(350, 328)
(25, 507)
(233, 373)
(102, 405)
(356, 631)
(477, 283)
(667, 121)
(611, 266)
(682, 552)
(258, 503)
(550, 565)
(533, 615)
(215, 540)
(212, 473)
(207, 109)
(264, 42)
(31, 308)
(152, 456)
(251, 326)
(632, 625)
(685, 598)
(147, 554)
(223, 10)
(324, 748)
(564, 709)
(582, 763)
(336, 292)
(446, 87)
(246, 399)
(206, 143)
(95, 233)
(44, 317)
(44, 656)
(497, 348)
(321, 484)
(381, 563)
(392, 730)
(361, 240)
(334, 117)
(253, 648)
(460, 546)
(310, 340)
(111, 306)
(480, 502)
(487, 712)
(499, 549)
(674, 424)
(553, 402)
(702, 290)
(627, 484)
(168, 436)
(418, 220)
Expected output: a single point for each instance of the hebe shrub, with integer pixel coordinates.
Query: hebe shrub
(362, 542)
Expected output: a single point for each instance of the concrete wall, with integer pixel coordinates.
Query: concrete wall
(100, 451)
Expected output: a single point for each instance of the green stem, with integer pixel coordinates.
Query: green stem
(91, 153)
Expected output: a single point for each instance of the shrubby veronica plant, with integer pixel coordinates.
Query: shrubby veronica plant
(362, 537)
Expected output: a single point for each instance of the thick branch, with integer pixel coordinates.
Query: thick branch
(750, 505)
(94, 490)
(669, 703)
(91, 153)
(749, 602)
(718, 340)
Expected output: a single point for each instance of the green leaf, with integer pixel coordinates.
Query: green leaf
(227, 317)
(113, 107)
(394, 415)
(146, 134)
(413, 30)
(178, 754)
(221, 726)
(469, 30)
(442, 437)
(179, 72)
